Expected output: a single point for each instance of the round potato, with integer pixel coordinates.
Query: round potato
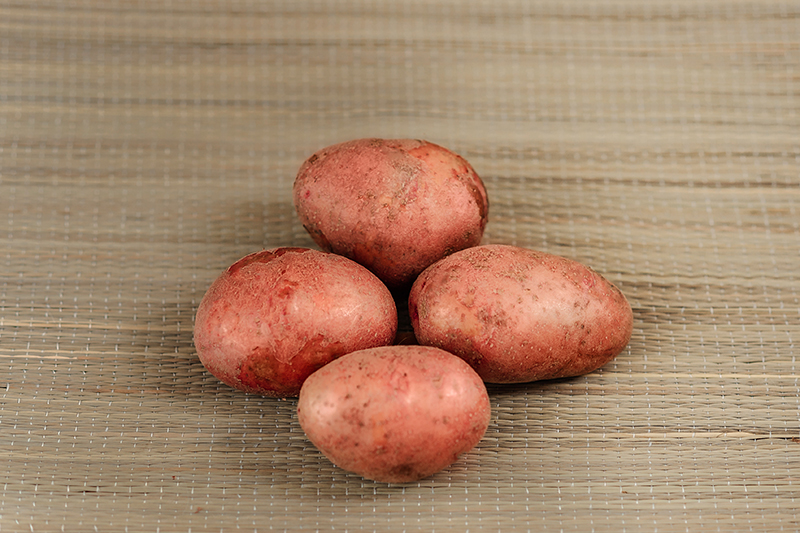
(275, 316)
(518, 315)
(395, 206)
(394, 414)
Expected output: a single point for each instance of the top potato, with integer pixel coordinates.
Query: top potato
(395, 206)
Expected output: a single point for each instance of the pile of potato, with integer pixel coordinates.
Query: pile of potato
(404, 216)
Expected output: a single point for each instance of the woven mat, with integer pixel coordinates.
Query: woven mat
(145, 146)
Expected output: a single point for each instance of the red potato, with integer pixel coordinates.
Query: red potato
(518, 315)
(275, 316)
(395, 206)
(394, 414)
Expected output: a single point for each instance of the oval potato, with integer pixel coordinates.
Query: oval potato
(396, 413)
(395, 206)
(275, 316)
(518, 315)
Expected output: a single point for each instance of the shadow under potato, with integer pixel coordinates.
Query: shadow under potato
(405, 332)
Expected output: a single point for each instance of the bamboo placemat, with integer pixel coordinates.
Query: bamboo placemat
(145, 146)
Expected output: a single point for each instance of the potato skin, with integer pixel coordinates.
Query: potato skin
(395, 206)
(394, 414)
(518, 315)
(275, 316)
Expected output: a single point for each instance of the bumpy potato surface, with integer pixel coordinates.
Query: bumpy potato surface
(518, 315)
(395, 206)
(396, 413)
(275, 316)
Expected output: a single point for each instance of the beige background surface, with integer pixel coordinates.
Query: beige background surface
(146, 145)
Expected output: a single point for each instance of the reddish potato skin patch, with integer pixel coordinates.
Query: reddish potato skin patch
(518, 315)
(394, 414)
(395, 206)
(275, 316)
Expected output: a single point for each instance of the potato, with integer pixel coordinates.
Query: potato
(275, 316)
(518, 315)
(395, 206)
(394, 414)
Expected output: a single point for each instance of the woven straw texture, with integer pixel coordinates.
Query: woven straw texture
(145, 146)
